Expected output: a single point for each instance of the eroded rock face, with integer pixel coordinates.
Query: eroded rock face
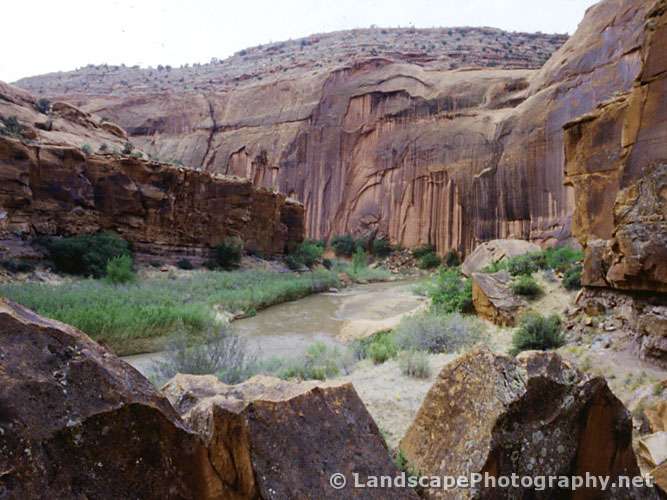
(401, 146)
(533, 415)
(77, 422)
(493, 299)
(494, 251)
(55, 185)
(273, 439)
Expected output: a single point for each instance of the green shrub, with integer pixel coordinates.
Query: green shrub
(535, 332)
(414, 364)
(429, 261)
(452, 259)
(119, 270)
(381, 248)
(86, 255)
(437, 333)
(294, 262)
(128, 148)
(572, 277)
(228, 253)
(343, 246)
(420, 251)
(309, 253)
(450, 292)
(526, 286)
(378, 347)
(87, 149)
(359, 261)
(184, 264)
(522, 265)
(11, 126)
(43, 106)
(319, 363)
(561, 258)
(17, 266)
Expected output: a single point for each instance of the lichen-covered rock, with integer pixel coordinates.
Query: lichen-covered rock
(272, 439)
(493, 299)
(491, 252)
(77, 422)
(534, 415)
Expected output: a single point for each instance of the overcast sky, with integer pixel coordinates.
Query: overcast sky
(41, 36)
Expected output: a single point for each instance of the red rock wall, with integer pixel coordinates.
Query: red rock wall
(163, 210)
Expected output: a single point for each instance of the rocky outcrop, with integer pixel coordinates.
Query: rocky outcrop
(491, 252)
(533, 416)
(419, 150)
(273, 439)
(493, 299)
(52, 184)
(77, 422)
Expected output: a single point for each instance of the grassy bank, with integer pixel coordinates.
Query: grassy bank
(136, 317)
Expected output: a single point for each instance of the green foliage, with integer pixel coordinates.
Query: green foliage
(11, 126)
(17, 266)
(562, 258)
(437, 333)
(452, 259)
(429, 261)
(319, 363)
(379, 347)
(419, 252)
(450, 292)
(133, 317)
(294, 262)
(526, 286)
(184, 264)
(87, 149)
(344, 246)
(43, 106)
(414, 364)
(522, 265)
(535, 332)
(228, 253)
(307, 254)
(572, 277)
(359, 261)
(119, 270)
(381, 248)
(128, 148)
(86, 255)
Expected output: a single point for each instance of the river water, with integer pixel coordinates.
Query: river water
(286, 330)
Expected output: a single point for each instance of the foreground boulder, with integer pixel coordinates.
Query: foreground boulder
(494, 251)
(534, 415)
(77, 422)
(493, 299)
(268, 438)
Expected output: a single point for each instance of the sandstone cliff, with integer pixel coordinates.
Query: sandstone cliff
(52, 183)
(419, 150)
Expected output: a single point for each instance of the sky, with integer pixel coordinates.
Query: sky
(42, 36)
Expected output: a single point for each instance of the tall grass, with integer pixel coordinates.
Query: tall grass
(122, 315)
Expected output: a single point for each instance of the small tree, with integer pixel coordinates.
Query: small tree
(535, 332)
(228, 254)
(119, 270)
(43, 106)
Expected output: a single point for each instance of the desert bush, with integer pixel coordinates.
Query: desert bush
(381, 248)
(429, 261)
(43, 106)
(319, 363)
(378, 347)
(562, 258)
(414, 364)
(228, 253)
(572, 277)
(422, 250)
(216, 351)
(17, 266)
(119, 270)
(307, 254)
(11, 126)
(184, 264)
(128, 148)
(436, 333)
(86, 255)
(535, 332)
(526, 286)
(450, 292)
(452, 259)
(359, 260)
(343, 246)
(522, 265)
(87, 149)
